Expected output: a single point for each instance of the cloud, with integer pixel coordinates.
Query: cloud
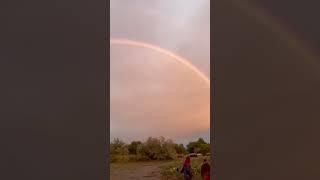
(152, 95)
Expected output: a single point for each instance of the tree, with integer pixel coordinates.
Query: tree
(180, 149)
(191, 147)
(118, 147)
(205, 148)
(201, 141)
(156, 149)
(133, 147)
(199, 146)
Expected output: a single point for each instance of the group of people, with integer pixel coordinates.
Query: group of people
(187, 171)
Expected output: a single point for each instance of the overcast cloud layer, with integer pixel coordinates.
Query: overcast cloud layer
(151, 94)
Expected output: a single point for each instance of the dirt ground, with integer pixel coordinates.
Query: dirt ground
(136, 170)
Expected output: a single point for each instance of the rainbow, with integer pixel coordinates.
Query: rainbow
(168, 53)
(266, 19)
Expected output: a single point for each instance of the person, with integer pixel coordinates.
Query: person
(205, 170)
(186, 169)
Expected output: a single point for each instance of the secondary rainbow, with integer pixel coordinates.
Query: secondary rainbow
(263, 17)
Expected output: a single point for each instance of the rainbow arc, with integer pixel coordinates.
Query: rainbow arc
(180, 59)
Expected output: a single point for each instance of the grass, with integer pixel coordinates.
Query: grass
(169, 170)
(126, 158)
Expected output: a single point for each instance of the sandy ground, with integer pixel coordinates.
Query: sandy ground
(141, 170)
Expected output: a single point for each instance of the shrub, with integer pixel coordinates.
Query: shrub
(157, 149)
(180, 149)
(199, 146)
(133, 147)
(118, 147)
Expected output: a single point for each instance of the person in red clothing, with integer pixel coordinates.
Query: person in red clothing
(186, 169)
(205, 170)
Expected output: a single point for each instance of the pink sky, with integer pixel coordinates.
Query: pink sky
(151, 94)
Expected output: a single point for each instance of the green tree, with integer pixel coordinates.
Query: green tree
(180, 149)
(201, 141)
(205, 148)
(199, 146)
(191, 147)
(156, 149)
(133, 147)
(118, 147)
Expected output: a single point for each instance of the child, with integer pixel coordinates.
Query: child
(186, 170)
(205, 170)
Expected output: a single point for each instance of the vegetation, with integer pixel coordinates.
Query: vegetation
(157, 149)
(167, 154)
(154, 149)
(170, 171)
(133, 147)
(180, 149)
(118, 147)
(199, 146)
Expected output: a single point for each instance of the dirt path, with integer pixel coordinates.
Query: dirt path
(141, 170)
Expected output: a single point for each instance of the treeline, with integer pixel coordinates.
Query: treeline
(154, 149)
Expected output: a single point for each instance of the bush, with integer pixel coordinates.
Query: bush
(180, 149)
(157, 149)
(133, 147)
(118, 147)
(153, 149)
(169, 170)
(199, 146)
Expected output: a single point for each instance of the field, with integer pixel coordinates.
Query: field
(162, 170)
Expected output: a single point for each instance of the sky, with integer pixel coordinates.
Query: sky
(151, 93)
